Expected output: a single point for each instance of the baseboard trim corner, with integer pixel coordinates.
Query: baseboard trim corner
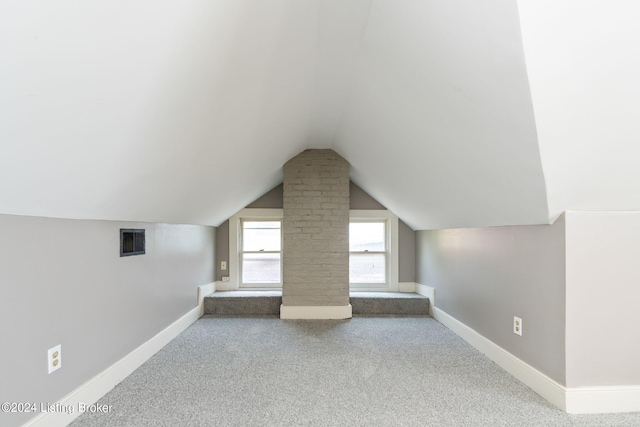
(316, 312)
(225, 286)
(204, 290)
(409, 287)
(95, 388)
(603, 400)
(546, 387)
(428, 292)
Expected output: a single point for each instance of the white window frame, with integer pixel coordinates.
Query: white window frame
(235, 230)
(392, 280)
(235, 253)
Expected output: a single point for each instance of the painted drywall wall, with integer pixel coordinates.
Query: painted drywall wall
(222, 249)
(583, 62)
(64, 282)
(484, 277)
(603, 290)
(360, 199)
(406, 253)
(272, 199)
(439, 126)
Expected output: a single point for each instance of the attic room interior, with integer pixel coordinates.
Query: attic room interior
(482, 156)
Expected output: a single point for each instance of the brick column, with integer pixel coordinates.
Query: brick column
(316, 236)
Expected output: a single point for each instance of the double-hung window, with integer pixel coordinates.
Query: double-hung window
(373, 253)
(260, 252)
(368, 252)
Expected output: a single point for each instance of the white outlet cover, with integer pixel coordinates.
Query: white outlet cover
(223, 265)
(51, 359)
(517, 325)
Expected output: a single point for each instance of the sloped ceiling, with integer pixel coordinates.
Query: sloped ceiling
(151, 110)
(440, 125)
(583, 62)
(186, 111)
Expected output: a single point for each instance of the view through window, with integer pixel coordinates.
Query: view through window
(368, 252)
(261, 256)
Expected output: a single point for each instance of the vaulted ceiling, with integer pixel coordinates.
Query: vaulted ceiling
(452, 113)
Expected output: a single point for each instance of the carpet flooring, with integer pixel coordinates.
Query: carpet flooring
(366, 371)
(252, 303)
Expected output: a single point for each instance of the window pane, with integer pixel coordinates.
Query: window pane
(367, 236)
(367, 268)
(260, 268)
(261, 236)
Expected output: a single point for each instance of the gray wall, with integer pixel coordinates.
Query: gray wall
(63, 282)
(272, 199)
(222, 249)
(603, 290)
(358, 199)
(406, 253)
(483, 277)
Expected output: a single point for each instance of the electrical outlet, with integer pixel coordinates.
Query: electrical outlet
(54, 358)
(223, 265)
(225, 278)
(517, 325)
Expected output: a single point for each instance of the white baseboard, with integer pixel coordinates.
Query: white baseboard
(407, 287)
(603, 400)
(203, 291)
(536, 380)
(225, 286)
(94, 389)
(315, 312)
(573, 400)
(428, 292)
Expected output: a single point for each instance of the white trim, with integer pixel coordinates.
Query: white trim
(428, 292)
(393, 248)
(603, 400)
(409, 287)
(578, 400)
(536, 380)
(315, 312)
(260, 289)
(370, 288)
(224, 286)
(204, 290)
(233, 265)
(95, 388)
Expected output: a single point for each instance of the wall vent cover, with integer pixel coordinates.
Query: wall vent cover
(132, 242)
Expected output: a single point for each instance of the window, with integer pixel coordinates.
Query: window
(131, 242)
(260, 254)
(255, 250)
(368, 252)
(373, 250)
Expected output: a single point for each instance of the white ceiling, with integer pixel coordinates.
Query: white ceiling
(186, 111)
(583, 62)
(440, 124)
